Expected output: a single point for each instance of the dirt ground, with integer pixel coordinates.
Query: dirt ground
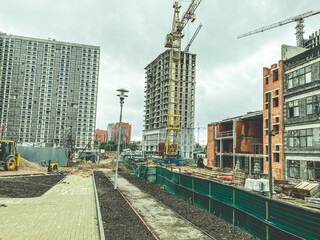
(27, 187)
(202, 219)
(119, 220)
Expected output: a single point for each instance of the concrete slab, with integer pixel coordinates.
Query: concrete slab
(163, 222)
(67, 211)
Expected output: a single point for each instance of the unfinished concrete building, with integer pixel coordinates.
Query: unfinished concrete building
(273, 84)
(48, 91)
(156, 104)
(302, 115)
(236, 143)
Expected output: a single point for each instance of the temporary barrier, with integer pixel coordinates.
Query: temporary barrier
(262, 217)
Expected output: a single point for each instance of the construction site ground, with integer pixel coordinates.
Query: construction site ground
(37, 205)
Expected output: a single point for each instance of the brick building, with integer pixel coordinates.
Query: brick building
(101, 135)
(125, 132)
(273, 84)
(236, 143)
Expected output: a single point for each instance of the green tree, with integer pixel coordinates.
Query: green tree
(198, 148)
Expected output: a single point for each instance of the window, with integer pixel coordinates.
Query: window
(276, 157)
(276, 75)
(293, 109)
(275, 102)
(299, 77)
(267, 80)
(312, 104)
(300, 138)
(294, 169)
(313, 170)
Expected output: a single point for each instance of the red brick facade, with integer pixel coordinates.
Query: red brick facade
(273, 83)
(100, 135)
(126, 132)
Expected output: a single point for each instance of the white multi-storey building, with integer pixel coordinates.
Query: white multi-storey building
(48, 90)
(156, 104)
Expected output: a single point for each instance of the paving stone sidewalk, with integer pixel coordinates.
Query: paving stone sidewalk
(67, 211)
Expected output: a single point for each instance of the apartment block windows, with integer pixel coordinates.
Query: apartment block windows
(299, 77)
(313, 170)
(293, 109)
(312, 104)
(294, 169)
(300, 138)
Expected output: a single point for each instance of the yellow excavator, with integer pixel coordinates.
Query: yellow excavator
(9, 157)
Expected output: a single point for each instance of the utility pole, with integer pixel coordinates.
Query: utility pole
(122, 97)
(269, 145)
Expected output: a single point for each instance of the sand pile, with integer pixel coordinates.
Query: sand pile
(111, 154)
(108, 163)
(25, 165)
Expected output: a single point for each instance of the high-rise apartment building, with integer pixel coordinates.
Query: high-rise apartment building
(110, 132)
(100, 135)
(48, 90)
(125, 132)
(157, 101)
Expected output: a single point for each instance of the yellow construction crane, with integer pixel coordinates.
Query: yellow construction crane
(173, 41)
(299, 28)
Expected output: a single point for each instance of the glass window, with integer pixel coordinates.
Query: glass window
(308, 77)
(294, 169)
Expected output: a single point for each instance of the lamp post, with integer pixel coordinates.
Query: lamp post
(271, 133)
(122, 97)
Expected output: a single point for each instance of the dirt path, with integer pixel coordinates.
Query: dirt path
(119, 220)
(208, 222)
(165, 223)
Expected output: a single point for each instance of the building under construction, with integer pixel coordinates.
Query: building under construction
(236, 143)
(157, 102)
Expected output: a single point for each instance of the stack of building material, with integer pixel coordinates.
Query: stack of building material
(305, 189)
(313, 202)
(258, 185)
(284, 188)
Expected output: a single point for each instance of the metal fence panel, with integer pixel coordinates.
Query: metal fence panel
(250, 224)
(201, 186)
(222, 192)
(295, 220)
(250, 203)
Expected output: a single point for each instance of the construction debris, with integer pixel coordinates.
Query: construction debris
(305, 189)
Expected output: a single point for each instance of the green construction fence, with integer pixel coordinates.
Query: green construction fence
(262, 217)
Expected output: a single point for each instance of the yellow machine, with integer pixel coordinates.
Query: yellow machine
(53, 167)
(9, 158)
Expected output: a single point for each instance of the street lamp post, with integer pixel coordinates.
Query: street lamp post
(122, 97)
(271, 133)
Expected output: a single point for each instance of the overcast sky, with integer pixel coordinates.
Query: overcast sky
(131, 34)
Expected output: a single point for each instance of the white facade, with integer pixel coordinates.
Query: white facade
(48, 90)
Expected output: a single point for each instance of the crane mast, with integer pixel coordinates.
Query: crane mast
(173, 41)
(299, 28)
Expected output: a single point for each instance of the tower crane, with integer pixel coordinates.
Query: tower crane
(299, 28)
(173, 41)
(193, 37)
